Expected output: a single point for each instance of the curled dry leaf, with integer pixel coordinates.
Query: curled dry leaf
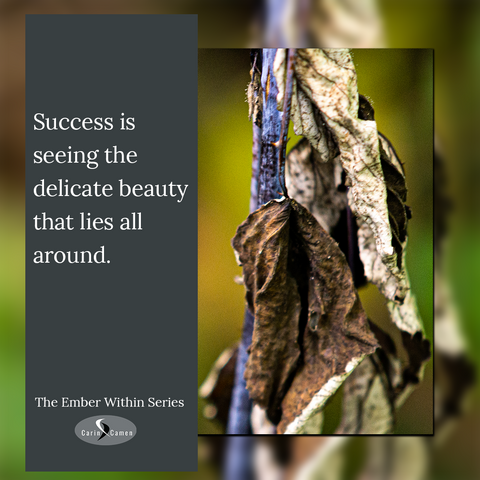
(367, 408)
(398, 214)
(400, 299)
(380, 384)
(404, 313)
(217, 387)
(255, 97)
(319, 187)
(307, 120)
(310, 328)
(398, 379)
(325, 97)
(314, 184)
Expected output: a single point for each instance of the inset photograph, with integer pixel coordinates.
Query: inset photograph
(315, 241)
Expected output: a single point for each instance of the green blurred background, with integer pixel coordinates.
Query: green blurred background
(400, 85)
(452, 28)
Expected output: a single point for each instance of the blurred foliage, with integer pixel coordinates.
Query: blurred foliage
(453, 29)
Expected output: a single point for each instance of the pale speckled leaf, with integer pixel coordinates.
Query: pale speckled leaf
(402, 306)
(369, 394)
(314, 425)
(313, 184)
(327, 80)
(376, 271)
(367, 408)
(404, 314)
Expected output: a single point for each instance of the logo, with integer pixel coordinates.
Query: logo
(105, 430)
(103, 427)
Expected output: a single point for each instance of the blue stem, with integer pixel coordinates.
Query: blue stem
(241, 405)
(269, 187)
(237, 463)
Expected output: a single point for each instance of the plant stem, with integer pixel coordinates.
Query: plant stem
(268, 180)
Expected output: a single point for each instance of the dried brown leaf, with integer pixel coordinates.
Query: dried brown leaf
(310, 327)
